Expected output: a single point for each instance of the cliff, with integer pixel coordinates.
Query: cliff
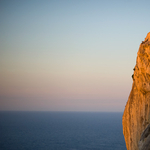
(136, 117)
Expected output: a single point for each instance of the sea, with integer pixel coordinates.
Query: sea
(61, 131)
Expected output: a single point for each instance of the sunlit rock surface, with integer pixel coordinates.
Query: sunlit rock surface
(136, 117)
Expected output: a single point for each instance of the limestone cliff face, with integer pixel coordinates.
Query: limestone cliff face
(136, 117)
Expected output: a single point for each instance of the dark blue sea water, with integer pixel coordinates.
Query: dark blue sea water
(61, 131)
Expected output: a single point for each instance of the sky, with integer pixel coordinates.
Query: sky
(69, 55)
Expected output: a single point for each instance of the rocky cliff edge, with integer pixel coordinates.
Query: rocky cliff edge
(136, 117)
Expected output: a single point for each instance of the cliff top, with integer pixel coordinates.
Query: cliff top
(147, 37)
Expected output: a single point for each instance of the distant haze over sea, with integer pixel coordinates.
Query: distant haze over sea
(69, 55)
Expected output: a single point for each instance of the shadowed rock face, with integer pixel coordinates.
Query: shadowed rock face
(136, 117)
(144, 143)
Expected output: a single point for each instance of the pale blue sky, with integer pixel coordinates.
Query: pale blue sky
(69, 55)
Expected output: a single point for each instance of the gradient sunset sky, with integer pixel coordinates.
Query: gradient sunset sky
(69, 55)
